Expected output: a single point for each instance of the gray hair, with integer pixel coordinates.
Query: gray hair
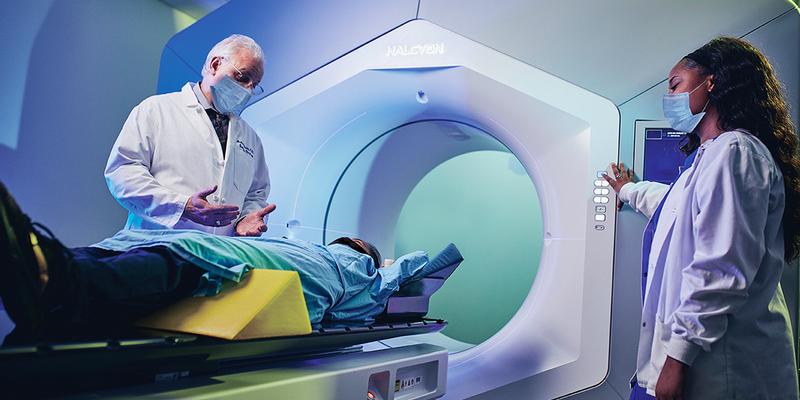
(231, 45)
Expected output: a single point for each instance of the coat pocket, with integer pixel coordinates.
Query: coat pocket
(243, 168)
(661, 334)
(663, 330)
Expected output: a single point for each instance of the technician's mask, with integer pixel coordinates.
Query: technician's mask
(678, 112)
(229, 97)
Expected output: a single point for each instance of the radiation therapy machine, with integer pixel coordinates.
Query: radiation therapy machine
(365, 100)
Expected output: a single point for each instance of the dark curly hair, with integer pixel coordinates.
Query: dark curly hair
(371, 250)
(747, 95)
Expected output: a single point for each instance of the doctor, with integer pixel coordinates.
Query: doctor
(715, 324)
(186, 160)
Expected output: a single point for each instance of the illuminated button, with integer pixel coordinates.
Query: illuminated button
(600, 217)
(600, 174)
(599, 209)
(600, 200)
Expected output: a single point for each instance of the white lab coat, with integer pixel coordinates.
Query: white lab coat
(168, 150)
(713, 297)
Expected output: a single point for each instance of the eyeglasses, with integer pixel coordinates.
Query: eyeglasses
(245, 79)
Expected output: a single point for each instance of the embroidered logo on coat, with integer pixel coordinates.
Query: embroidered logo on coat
(244, 148)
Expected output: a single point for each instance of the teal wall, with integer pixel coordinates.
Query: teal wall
(486, 204)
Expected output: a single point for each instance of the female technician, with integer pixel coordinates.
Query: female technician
(715, 324)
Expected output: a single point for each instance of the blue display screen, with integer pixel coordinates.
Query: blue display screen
(662, 154)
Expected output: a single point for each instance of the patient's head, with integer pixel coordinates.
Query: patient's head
(361, 246)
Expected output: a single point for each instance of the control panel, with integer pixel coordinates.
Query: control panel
(601, 195)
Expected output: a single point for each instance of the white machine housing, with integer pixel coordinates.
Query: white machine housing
(619, 49)
(563, 135)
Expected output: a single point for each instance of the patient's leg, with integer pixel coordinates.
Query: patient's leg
(50, 291)
(95, 293)
(102, 287)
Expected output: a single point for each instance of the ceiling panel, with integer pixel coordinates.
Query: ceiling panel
(616, 48)
(297, 36)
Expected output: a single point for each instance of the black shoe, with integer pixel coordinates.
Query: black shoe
(25, 256)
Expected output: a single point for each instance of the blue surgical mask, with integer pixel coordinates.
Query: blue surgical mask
(229, 97)
(678, 112)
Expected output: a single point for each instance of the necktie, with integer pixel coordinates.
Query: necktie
(220, 123)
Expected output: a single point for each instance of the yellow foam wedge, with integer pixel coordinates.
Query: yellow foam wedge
(265, 303)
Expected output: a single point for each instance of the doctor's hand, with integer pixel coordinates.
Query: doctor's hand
(253, 224)
(670, 381)
(200, 211)
(621, 176)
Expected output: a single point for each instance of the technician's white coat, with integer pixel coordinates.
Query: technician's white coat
(713, 298)
(168, 150)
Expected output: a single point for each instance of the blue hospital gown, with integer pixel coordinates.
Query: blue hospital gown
(339, 283)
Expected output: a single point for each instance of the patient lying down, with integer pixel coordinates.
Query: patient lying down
(55, 293)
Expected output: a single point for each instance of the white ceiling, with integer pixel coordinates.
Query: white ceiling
(616, 48)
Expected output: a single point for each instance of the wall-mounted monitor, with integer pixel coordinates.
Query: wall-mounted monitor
(657, 153)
